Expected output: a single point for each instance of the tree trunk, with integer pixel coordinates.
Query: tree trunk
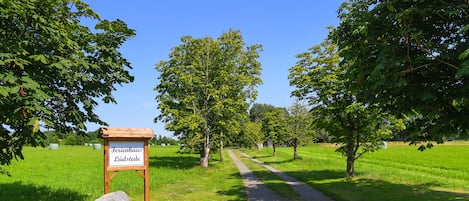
(350, 166)
(295, 149)
(295, 152)
(205, 153)
(221, 148)
(275, 149)
(350, 158)
(204, 156)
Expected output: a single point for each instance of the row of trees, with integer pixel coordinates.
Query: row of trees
(160, 140)
(93, 137)
(204, 93)
(389, 65)
(71, 138)
(278, 126)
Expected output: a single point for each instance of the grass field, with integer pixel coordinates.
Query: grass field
(76, 173)
(397, 173)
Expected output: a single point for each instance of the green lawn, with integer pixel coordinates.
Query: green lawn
(76, 173)
(397, 173)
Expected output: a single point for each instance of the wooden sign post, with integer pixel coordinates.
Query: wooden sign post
(126, 149)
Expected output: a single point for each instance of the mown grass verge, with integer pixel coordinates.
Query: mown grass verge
(76, 173)
(397, 173)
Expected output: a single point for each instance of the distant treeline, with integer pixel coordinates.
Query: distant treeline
(71, 138)
(159, 140)
(93, 137)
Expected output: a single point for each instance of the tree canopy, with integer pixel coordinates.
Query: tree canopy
(206, 87)
(54, 70)
(411, 57)
(299, 126)
(258, 111)
(274, 126)
(320, 78)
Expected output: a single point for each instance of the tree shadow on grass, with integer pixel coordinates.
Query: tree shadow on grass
(175, 162)
(263, 156)
(268, 156)
(236, 191)
(316, 175)
(363, 189)
(27, 192)
(369, 189)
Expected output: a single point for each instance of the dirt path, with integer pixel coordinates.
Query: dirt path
(305, 191)
(257, 190)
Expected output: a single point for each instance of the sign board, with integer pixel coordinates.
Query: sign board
(126, 153)
(126, 149)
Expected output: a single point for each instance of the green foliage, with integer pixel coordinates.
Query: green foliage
(258, 111)
(51, 137)
(163, 140)
(410, 57)
(251, 134)
(274, 126)
(299, 126)
(54, 70)
(206, 88)
(70, 140)
(358, 127)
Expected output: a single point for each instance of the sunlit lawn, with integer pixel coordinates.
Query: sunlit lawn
(76, 173)
(400, 172)
(397, 173)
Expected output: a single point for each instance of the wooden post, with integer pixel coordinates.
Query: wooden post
(106, 165)
(129, 151)
(146, 180)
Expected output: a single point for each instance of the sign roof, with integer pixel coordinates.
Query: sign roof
(126, 133)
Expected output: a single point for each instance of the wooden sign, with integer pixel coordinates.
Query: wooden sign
(126, 153)
(126, 149)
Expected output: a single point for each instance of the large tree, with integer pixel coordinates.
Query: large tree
(411, 57)
(206, 87)
(358, 127)
(54, 70)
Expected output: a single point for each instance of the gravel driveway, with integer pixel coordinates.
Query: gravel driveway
(256, 190)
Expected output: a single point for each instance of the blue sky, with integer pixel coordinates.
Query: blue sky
(283, 28)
